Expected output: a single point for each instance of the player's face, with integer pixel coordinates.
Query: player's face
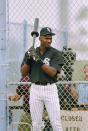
(86, 73)
(46, 41)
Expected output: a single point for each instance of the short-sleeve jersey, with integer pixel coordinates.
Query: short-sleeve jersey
(51, 57)
(82, 93)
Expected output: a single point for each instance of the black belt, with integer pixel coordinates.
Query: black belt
(42, 83)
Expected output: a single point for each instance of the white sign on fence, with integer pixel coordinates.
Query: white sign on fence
(74, 120)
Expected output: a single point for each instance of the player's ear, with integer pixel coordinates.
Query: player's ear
(40, 38)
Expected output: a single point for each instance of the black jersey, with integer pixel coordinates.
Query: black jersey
(51, 57)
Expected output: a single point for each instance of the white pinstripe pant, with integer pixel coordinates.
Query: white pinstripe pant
(40, 95)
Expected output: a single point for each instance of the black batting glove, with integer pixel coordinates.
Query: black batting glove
(31, 52)
(28, 55)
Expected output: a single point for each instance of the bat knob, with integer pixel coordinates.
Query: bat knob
(35, 33)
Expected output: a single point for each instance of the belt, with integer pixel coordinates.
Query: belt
(42, 83)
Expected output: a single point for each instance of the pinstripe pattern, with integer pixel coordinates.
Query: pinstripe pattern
(40, 95)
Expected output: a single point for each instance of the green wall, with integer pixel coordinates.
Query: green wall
(78, 70)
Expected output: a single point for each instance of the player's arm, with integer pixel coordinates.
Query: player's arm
(25, 66)
(51, 71)
(20, 91)
(15, 97)
(86, 103)
(55, 66)
(74, 93)
(24, 70)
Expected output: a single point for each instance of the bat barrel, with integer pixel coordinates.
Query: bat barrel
(35, 31)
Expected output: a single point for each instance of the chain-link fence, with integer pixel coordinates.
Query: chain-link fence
(73, 110)
(68, 19)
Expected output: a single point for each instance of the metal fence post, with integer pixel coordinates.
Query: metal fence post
(2, 65)
(64, 20)
(24, 35)
(65, 37)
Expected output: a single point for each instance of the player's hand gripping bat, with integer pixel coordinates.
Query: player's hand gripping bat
(32, 51)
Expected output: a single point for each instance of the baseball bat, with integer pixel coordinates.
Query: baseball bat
(35, 33)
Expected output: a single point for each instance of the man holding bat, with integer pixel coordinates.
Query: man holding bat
(44, 63)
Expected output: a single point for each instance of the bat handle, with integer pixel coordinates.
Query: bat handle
(34, 37)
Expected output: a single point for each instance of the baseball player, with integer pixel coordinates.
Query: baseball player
(44, 63)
